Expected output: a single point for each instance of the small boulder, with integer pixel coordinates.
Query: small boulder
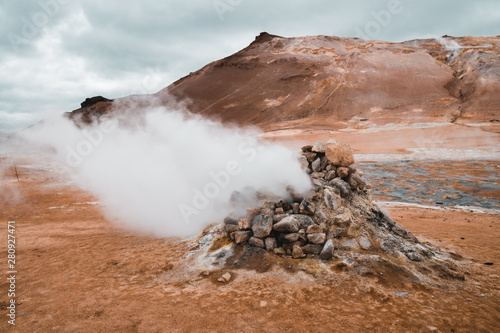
(296, 208)
(310, 156)
(316, 165)
(307, 148)
(244, 224)
(327, 251)
(288, 224)
(342, 172)
(339, 154)
(304, 220)
(356, 182)
(307, 207)
(318, 147)
(252, 213)
(257, 242)
(314, 229)
(290, 238)
(280, 251)
(230, 220)
(332, 200)
(312, 248)
(342, 219)
(231, 228)
(318, 238)
(279, 211)
(270, 243)
(302, 235)
(330, 174)
(297, 252)
(317, 175)
(304, 164)
(242, 236)
(364, 242)
(279, 217)
(225, 278)
(340, 186)
(262, 226)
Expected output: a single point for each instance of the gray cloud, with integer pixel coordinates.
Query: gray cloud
(54, 53)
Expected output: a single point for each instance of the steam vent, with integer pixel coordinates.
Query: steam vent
(336, 224)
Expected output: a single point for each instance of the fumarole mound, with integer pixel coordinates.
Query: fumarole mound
(337, 223)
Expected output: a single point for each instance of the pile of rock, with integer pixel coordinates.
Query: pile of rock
(332, 219)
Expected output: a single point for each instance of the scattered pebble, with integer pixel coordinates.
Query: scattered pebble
(263, 304)
(225, 278)
(469, 300)
(401, 294)
(488, 263)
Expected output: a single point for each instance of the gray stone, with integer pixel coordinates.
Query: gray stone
(262, 226)
(304, 220)
(242, 236)
(280, 251)
(279, 211)
(329, 167)
(231, 228)
(312, 248)
(317, 175)
(270, 243)
(307, 207)
(318, 147)
(330, 174)
(290, 238)
(342, 172)
(320, 217)
(351, 244)
(267, 211)
(364, 242)
(304, 164)
(327, 251)
(279, 217)
(257, 242)
(296, 208)
(244, 224)
(340, 186)
(314, 229)
(319, 182)
(318, 238)
(356, 182)
(342, 219)
(302, 235)
(288, 224)
(252, 213)
(230, 220)
(332, 200)
(324, 163)
(297, 252)
(306, 148)
(316, 165)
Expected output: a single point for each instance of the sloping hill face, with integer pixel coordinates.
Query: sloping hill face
(333, 82)
(327, 80)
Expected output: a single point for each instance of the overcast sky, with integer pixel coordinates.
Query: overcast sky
(55, 53)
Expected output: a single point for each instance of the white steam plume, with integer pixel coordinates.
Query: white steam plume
(167, 173)
(450, 45)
